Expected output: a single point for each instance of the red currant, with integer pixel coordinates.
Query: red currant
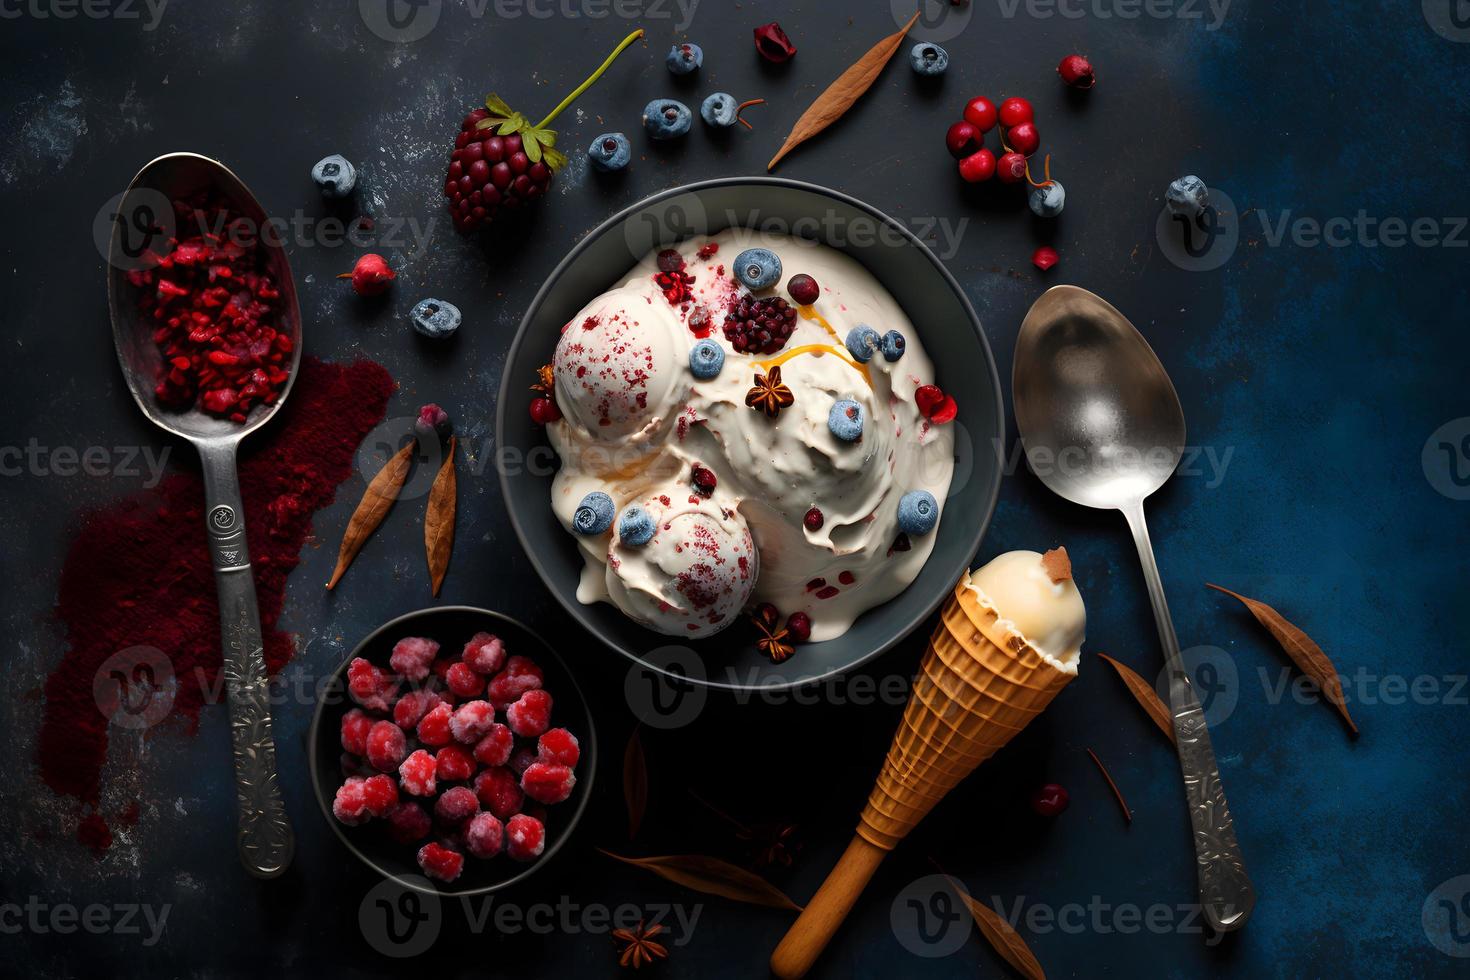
(1014, 111)
(1011, 169)
(1024, 138)
(980, 113)
(544, 411)
(962, 139)
(814, 519)
(804, 289)
(1045, 257)
(1076, 71)
(799, 625)
(1050, 800)
(978, 166)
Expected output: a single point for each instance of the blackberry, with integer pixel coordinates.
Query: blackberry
(760, 326)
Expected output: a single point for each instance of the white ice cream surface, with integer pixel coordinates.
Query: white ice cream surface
(636, 420)
(1049, 615)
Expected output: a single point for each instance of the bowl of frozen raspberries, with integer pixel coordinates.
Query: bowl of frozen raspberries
(453, 751)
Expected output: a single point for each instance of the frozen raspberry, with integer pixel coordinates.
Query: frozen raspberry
(525, 838)
(548, 783)
(495, 748)
(386, 746)
(412, 656)
(522, 759)
(350, 805)
(531, 715)
(559, 747)
(409, 822)
(412, 707)
(353, 765)
(499, 792)
(463, 682)
(453, 764)
(471, 721)
(484, 835)
(416, 775)
(433, 727)
(440, 862)
(380, 793)
(440, 667)
(355, 726)
(456, 805)
(369, 685)
(485, 653)
(519, 676)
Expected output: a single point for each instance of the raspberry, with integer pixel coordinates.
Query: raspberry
(525, 838)
(519, 676)
(548, 783)
(471, 721)
(355, 726)
(463, 681)
(560, 747)
(484, 835)
(440, 862)
(760, 326)
(453, 764)
(412, 656)
(495, 748)
(386, 746)
(369, 685)
(412, 707)
(457, 805)
(433, 728)
(350, 804)
(408, 822)
(416, 774)
(531, 715)
(499, 792)
(488, 172)
(380, 794)
(485, 653)
(521, 760)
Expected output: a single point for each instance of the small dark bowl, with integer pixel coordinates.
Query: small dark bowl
(915, 277)
(451, 626)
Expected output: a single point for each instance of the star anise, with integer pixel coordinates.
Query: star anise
(638, 945)
(546, 380)
(773, 642)
(769, 394)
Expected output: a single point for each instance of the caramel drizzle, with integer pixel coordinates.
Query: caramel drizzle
(809, 313)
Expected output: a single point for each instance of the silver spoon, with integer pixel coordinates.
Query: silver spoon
(265, 839)
(1102, 427)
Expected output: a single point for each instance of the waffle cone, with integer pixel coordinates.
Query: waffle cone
(977, 687)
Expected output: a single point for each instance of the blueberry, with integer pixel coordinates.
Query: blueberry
(758, 268)
(719, 110)
(706, 358)
(610, 152)
(1047, 201)
(1188, 196)
(635, 527)
(684, 58)
(862, 341)
(435, 318)
(334, 176)
(666, 119)
(846, 420)
(918, 512)
(594, 514)
(893, 345)
(929, 59)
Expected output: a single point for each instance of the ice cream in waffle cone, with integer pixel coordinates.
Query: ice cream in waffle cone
(1008, 640)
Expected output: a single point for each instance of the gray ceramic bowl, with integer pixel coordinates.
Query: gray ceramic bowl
(932, 299)
(451, 626)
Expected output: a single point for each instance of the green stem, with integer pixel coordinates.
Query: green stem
(592, 78)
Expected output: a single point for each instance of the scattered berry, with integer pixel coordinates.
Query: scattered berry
(371, 275)
(1076, 71)
(519, 676)
(531, 715)
(1024, 138)
(772, 44)
(704, 480)
(804, 289)
(355, 726)
(666, 119)
(412, 656)
(893, 345)
(334, 176)
(484, 835)
(1047, 200)
(386, 746)
(417, 774)
(684, 59)
(846, 420)
(525, 837)
(918, 512)
(409, 822)
(547, 782)
(471, 721)
(1011, 168)
(978, 167)
(1014, 111)
(760, 326)
(558, 746)
(594, 514)
(433, 727)
(706, 358)
(369, 685)
(863, 342)
(456, 805)
(609, 152)
(453, 764)
(934, 404)
(757, 268)
(350, 804)
(1045, 257)
(380, 794)
(435, 318)
(635, 527)
(962, 139)
(544, 411)
(438, 861)
(488, 171)
(1188, 196)
(929, 60)
(499, 791)
(485, 653)
(799, 625)
(412, 707)
(1050, 800)
(432, 427)
(669, 260)
(813, 520)
(463, 681)
(495, 748)
(981, 113)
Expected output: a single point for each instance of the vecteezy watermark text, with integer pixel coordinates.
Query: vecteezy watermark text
(150, 12)
(40, 917)
(407, 21)
(129, 462)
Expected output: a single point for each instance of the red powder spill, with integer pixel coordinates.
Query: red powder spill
(137, 572)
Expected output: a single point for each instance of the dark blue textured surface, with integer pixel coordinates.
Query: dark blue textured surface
(1318, 372)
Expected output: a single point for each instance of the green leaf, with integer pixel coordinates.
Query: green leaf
(498, 106)
(555, 159)
(515, 123)
(531, 145)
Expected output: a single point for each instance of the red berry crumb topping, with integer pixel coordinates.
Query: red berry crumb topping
(760, 326)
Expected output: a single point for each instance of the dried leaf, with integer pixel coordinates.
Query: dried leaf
(998, 932)
(439, 520)
(712, 877)
(841, 94)
(379, 496)
(1145, 695)
(1117, 793)
(635, 782)
(1302, 649)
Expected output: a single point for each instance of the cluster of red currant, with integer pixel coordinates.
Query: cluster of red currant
(1019, 138)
